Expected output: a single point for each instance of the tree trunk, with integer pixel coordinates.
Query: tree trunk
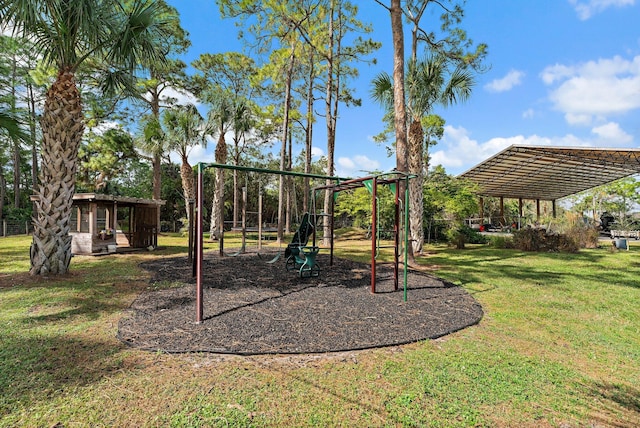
(62, 129)
(156, 161)
(289, 183)
(16, 141)
(16, 172)
(416, 203)
(32, 134)
(156, 165)
(330, 114)
(283, 150)
(217, 207)
(308, 136)
(399, 107)
(3, 191)
(188, 183)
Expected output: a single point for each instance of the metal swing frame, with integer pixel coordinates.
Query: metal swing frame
(395, 179)
(199, 237)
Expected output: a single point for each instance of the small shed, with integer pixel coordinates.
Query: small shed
(106, 223)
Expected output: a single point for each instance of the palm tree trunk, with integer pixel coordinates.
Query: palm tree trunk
(217, 207)
(62, 129)
(188, 187)
(416, 203)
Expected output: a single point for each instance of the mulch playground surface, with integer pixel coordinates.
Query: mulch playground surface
(253, 307)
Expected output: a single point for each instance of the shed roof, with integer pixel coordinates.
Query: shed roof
(127, 200)
(550, 173)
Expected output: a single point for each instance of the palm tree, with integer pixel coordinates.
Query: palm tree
(243, 122)
(428, 82)
(185, 128)
(220, 120)
(114, 37)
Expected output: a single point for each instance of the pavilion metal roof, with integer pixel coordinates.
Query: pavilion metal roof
(550, 173)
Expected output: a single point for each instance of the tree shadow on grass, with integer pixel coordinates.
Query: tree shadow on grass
(33, 369)
(612, 398)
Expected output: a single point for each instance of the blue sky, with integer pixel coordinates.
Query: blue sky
(562, 73)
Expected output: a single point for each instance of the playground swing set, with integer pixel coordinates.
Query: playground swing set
(300, 256)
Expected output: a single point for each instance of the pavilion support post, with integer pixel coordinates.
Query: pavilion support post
(553, 208)
(503, 221)
(519, 213)
(520, 207)
(481, 203)
(537, 209)
(199, 250)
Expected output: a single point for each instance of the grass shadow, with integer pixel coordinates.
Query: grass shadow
(34, 368)
(613, 397)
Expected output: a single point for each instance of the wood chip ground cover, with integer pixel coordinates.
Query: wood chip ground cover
(252, 307)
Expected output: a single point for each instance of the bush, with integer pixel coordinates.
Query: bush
(501, 242)
(585, 237)
(530, 239)
(461, 235)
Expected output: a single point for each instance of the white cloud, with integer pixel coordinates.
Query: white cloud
(612, 135)
(346, 163)
(513, 78)
(317, 152)
(179, 97)
(586, 9)
(594, 90)
(528, 114)
(198, 154)
(355, 166)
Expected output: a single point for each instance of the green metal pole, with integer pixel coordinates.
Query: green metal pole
(406, 236)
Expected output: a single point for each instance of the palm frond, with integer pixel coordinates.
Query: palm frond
(10, 125)
(382, 90)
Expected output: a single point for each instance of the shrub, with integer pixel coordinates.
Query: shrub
(530, 239)
(461, 235)
(585, 237)
(473, 236)
(501, 242)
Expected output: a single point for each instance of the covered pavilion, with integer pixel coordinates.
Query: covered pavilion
(546, 173)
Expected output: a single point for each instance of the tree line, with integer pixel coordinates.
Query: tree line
(92, 100)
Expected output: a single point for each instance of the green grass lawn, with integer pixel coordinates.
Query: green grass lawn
(559, 346)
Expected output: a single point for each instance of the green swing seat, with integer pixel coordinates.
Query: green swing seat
(300, 257)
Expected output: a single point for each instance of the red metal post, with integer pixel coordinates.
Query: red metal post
(396, 237)
(199, 249)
